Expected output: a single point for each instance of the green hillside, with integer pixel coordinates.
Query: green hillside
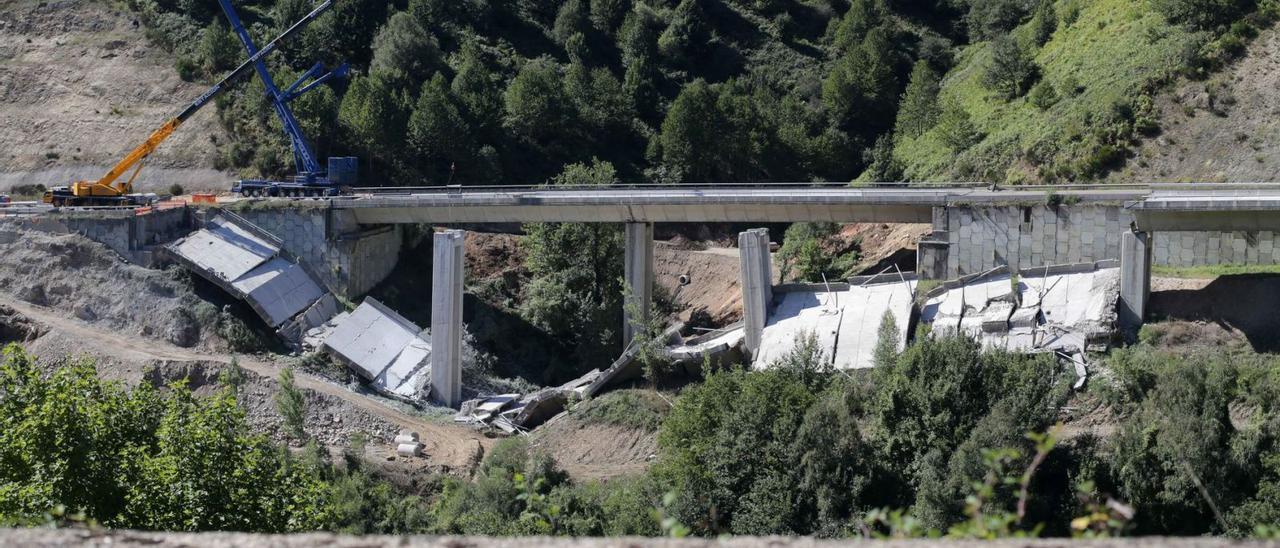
(1096, 77)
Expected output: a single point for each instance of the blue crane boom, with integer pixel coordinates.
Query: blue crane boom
(311, 178)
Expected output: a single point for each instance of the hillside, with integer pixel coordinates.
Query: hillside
(1090, 84)
(1226, 129)
(80, 86)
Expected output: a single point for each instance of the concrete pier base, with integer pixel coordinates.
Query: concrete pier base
(638, 277)
(446, 317)
(1135, 277)
(757, 285)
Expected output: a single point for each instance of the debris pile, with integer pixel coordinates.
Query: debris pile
(513, 413)
(1065, 309)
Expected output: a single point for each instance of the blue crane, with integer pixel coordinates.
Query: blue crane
(311, 178)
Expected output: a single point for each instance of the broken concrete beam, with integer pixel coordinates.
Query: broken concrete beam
(407, 437)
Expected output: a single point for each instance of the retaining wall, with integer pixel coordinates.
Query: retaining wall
(349, 258)
(968, 239)
(126, 232)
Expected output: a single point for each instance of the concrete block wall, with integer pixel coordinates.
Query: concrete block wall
(350, 259)
(972, 238)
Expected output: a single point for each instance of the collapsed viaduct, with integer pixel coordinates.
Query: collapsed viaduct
(354, 242)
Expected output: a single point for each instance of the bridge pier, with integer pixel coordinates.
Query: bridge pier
(446, 317)
(1135, 277)
(639, 277)
(756, 284)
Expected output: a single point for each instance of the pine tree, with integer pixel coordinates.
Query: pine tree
(291, 405)
(437, 132)
(955, 128)
(863, 15)
(686, 37)
(1046, 22)
(570, 20)
(476, 90)
(919, 108)
(690, 133)
(887, 341)
(537, 107)
(1012, 70)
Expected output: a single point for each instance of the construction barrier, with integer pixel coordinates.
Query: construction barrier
(205, 198)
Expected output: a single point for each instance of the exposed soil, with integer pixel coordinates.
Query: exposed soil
(87, 280)
(80, 86)
(882, 245)
(596, 451)
(1225, 129)
(1217, 312)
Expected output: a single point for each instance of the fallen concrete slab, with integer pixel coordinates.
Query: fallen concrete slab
(383, 347)
(1063, 308)
(845, 318)
(251, 265)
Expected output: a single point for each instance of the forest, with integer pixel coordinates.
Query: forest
(666, 91)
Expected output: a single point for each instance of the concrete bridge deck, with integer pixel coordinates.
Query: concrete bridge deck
(774, 203)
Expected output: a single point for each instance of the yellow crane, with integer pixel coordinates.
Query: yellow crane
(110, 190)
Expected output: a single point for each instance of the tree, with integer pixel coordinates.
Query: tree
(888, 341)
(1045, 22)
(606, 15)
(863, 15)
(807, 255)
(438, 134)
(861, 91)
(882, 166)
(955, 129)
(219, 49)
(475, 89)
(989, 19)
(570, 20)
(291, 405)
(373, 117)
(1202, 14)
(575, 290)
(918, 111)
(690, 133)
(1012, 70)
(686, 36)
(638, 40)
(536, 104)
(405, 51)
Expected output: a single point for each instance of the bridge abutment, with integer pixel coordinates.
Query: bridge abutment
(446, 317)
(638, 277)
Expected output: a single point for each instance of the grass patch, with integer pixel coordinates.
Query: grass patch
(1214, 271)
(1105, 64)
(633, 408)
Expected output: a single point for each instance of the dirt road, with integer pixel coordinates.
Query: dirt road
(454, 447)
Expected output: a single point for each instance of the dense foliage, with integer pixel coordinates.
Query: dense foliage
(938, 431)
(489, 91)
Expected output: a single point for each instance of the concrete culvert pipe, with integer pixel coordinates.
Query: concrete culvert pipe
(684, 280)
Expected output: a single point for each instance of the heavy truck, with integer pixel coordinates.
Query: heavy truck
(310, 179)
(110, 190)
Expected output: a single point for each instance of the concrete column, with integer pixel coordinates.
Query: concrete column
(639, 276)
(757, 284)
(1135, 277)
(446, 317)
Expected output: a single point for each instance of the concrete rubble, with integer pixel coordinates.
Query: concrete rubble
(513, 413)
(844, 317)
(381, 346)
(1065, 309)
(251, 265)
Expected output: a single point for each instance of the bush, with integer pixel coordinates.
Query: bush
(810, 251)
(176, 190)
(1043, 95)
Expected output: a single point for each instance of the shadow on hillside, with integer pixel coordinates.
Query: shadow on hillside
(1246, 303)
